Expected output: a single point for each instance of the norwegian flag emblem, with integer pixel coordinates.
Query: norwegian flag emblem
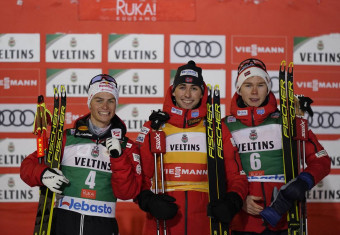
(188, 79)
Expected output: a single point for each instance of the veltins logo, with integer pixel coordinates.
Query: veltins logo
(76, 81)
(139, 82)
(20, 47)
(135, 115)
(270, 49)
(321, 50)
(136, 48)
(74, 48)
(208, 49)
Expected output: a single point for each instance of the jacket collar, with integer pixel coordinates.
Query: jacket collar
(253, 116)
(117, 129)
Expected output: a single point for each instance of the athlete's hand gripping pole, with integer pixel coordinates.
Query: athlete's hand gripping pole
(302, 105)
(157, 142)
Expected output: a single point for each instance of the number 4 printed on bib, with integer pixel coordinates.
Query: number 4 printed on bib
(91, 179)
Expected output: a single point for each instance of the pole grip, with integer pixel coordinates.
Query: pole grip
(157, 142)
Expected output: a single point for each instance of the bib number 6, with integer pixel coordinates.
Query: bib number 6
(255, 161)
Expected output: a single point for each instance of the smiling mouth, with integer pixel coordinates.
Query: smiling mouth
(103, 113)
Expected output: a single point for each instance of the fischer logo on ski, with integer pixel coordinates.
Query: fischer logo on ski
(216, 172)
(296, 219)
(43, 220)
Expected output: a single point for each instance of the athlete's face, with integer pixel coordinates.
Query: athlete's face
(187, 96)
(254, 91)
(103, 108)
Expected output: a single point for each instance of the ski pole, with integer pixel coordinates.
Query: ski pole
(157, 140)
(162, 182)
(302, 137)
(156, 187)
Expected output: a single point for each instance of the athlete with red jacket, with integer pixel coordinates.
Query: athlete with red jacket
(99, 164)
(184, 204)
(255, 125)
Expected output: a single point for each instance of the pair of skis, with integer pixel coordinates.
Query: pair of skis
(294, 135)
(51, 152)
(216, 172)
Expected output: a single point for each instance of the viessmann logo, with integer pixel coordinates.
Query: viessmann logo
(270, 48)
(316, 84)
(179, 171)
(8, 82)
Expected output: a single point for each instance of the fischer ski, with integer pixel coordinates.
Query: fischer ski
(289, 143)
(216, 172)
(53, 153)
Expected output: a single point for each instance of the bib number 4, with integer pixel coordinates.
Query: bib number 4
(91, 179)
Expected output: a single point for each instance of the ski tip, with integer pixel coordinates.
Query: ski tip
(217, 87)
(40, 99)
(209, 86)
(62, 91)
(291, 64)
(283, 66)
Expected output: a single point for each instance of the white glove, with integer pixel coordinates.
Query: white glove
(54, 179)
(113, 145)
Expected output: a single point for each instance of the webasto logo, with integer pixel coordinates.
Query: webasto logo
(83, 206)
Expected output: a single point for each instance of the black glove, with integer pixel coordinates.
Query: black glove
(161, 206)
(290, 192)
(158, 118)
(305, 104)
(224, 209)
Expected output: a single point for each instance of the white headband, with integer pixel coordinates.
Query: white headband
(102, 86)
(251, 72)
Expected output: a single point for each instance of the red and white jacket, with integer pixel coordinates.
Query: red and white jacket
(317, 161)
(185, 167)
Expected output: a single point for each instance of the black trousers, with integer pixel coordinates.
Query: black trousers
(71, 223)
(265, 232)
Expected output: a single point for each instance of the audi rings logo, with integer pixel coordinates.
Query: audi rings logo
(16, 117)
(201, 49)
(324, 120)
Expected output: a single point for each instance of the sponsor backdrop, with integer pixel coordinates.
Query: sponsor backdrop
(46, 44)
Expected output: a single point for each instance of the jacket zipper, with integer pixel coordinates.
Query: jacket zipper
(185, 118)
(252, 117)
